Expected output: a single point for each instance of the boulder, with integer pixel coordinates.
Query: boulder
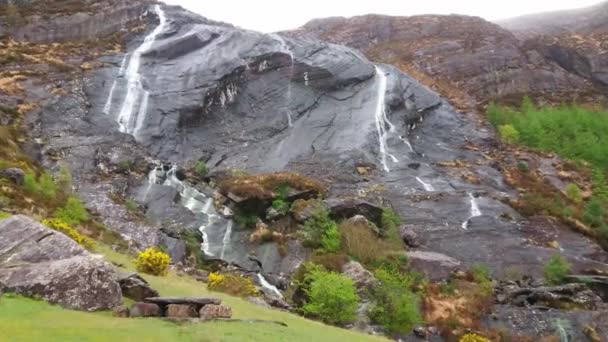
(197, 303)
(437, 266)
(120, 311)
(363, 278)
(181, 311)
(362, 221)
(42, 263)
(599, 284)
(302, 210)
(342, 209)
(258, 301)
(135, 287)
(211, 311)
(14, 174)
(140, 309)
(409, 237)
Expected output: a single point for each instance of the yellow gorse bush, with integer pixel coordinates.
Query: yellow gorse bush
(153, 261)
(473, 338)
(61, 226)
(234, 285)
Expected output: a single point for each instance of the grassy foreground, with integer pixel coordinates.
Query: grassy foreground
(23, 319)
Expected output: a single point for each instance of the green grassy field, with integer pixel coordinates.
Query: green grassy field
(23, 319)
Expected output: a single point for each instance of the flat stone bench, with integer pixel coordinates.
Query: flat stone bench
(198, 303)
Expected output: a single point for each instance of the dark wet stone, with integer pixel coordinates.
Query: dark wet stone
(135, 287)
(14, 174)
(342, 209)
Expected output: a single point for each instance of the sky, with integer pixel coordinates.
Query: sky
(277, 15)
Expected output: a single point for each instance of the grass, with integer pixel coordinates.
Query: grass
(31, 320)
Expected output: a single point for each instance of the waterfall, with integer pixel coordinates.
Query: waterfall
(265, 284)
(287, 50)
(121, 72)
(475, 211)
(136, 95)
(382, 121)
(199, 204)
(407, 142)
(426, 186)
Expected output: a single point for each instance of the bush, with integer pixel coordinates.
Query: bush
(245, 220)
(153, 261)
(594, 213)
(508, 134)
(73, 212)
(573, 192)
(481, 275)
(397, 307)
(556, 270)
(44, 185)
(131, 206)
(330, 261)
(4, 215)
(390, 222)
(361, 242)
(64, 179)
(523, 166)
(65, 228)
(470, 337)
(281, 206)
(231, 284)
(315, 229)
(332, 297)
(330, 242)
(200, 168)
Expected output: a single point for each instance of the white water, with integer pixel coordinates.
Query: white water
(407, 142)
(288, 51)
(265, 284)
(382, 120)
(226, 240)
(475, 211)
(108, 106)
(136, 95)
(426, 186)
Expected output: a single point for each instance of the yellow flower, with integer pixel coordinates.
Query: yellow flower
(153, 261)
(473, 338)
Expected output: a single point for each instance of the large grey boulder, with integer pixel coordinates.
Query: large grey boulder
(36, 261)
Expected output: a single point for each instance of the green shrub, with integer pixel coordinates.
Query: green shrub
(390, 222)
(153, 261)
(200, 168)
(332, 297)
(594, 213)
(556, 270)
(362, 243)
(523, 166)
(508, 134)
(281, 206)
(245, 220)
(44, 185)
(316, 227)
(600, 187)
(4, 215)
(73, 212)
(64, 179)
(61, 226)
(482, 276)
(131, 205)
(397, 306)
(330, 242)
(573, 192)
(126, 166)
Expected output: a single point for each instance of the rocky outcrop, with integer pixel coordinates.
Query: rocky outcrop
(135, 287)
(569, 296)
(14, 174)
(364, 279)
(437, 266)
(68, 21)
(211, 311)
(38, 262)
(342, 209)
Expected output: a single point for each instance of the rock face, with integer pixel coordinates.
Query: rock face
(82, 20)
(363, 278)
(38, 262)
(14, 174)
(466, 58)
(569, 296)
(135, 287)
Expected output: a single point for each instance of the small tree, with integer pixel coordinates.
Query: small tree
(508, 134)
(332, 297)
(556, 270)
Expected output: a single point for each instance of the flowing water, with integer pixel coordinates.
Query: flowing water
(475, 211)
(136, 95)
(121, 72)
(426, 186)
(215, 229)
(382, 122)
(285, 48)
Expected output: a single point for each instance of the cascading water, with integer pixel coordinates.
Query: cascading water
(382, 121)
(200, 204)
(121, 72)
(475, 211)
(426, 186)
(288, 51)
(136, 95)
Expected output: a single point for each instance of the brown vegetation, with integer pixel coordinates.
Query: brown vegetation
(265, 186)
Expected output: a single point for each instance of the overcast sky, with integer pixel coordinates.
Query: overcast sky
(276, 15)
